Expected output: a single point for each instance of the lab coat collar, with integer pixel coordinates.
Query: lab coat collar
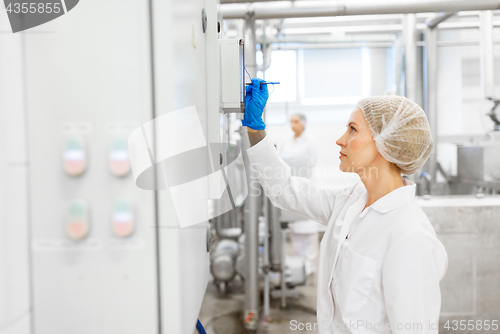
(395, 199)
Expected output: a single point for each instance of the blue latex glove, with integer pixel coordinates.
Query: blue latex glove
(255, 101)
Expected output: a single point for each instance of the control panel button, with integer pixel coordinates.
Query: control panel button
(122, 218)
(119, 161)
(77, 220)
(74, 156)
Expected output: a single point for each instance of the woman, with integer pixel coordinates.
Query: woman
(299, 152)
(380, 261)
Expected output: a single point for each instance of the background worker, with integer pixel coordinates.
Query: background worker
(299, 151)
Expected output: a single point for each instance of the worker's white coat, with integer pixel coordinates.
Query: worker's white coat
(385, 276)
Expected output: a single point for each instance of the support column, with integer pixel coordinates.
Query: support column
(487, 79)
(431, 83)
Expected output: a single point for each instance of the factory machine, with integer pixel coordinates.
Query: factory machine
(250, 251)
(90, 243)
(478, 162)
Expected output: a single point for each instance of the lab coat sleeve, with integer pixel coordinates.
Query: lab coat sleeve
(296, 194)
(280, 148)
(413, 267)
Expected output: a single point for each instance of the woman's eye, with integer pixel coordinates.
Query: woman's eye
(352, 129)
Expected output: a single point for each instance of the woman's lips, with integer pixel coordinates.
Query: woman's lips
(342, 155)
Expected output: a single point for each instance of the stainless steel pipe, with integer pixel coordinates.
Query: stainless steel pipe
(252, 206)
(410, 39)
(276, 240)
(358, 7)
(487, 78)
(431, 83)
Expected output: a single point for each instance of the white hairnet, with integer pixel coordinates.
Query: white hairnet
(400, 129)
(302, 118)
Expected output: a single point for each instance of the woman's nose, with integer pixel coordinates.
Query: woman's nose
(340, 141)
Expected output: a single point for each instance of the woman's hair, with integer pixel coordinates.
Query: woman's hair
(302, 118)
(400, 130)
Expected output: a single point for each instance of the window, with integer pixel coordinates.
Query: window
(284, 70)
(334, 76)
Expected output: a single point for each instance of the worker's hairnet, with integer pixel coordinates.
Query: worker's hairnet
(302, 118)
(400, 129)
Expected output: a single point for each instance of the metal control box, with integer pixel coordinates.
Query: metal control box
(479, 162)
(232, 75)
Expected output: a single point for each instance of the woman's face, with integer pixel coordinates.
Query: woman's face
(297, 126)
(358, 151)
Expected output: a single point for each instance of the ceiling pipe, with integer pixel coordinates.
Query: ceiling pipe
(434, 21)
(378, 29)
(350, 33)
(244, 1)
(357, 7)
(330, 39)
(388, 28)
(343, 20)
(266, 50)
(334, 45)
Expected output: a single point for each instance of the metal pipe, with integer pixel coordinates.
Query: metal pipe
(275, 228)
(266, 51)
(377, 29)
(335, 45)
(342, 20)
(267, 290)
(487, 78)
(427, 190)
(457, 43)
(265, 47)
(410, 38)
(433, 22)
(252, 202)
(362, 33)
(410, 60)
(244, 1)
(328, 39)
(357, 7)
(398, 56)
(218, 225)
(250, 45)
(340, 30)
(283, 269)
(431, 86)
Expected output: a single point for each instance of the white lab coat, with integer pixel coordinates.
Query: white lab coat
(386, 274)
(300, 152)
